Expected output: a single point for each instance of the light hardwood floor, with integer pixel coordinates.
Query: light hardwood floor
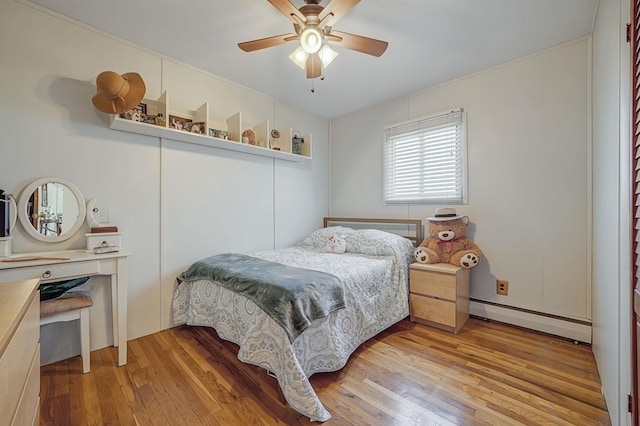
(410, 374)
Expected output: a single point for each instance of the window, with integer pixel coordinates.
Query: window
(425, 160)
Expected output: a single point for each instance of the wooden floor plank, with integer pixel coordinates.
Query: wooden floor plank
(410, 374)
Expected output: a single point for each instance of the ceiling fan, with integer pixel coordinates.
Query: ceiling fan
(313, 26)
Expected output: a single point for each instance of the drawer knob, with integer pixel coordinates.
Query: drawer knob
(46, 274)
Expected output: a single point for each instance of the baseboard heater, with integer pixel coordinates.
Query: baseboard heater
(569, 328)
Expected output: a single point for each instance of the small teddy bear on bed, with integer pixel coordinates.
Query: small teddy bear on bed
(447, 242)
(336, 244)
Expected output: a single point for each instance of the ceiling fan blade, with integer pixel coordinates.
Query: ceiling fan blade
(263, 43)
(287, 9)
(314, 66)
(337, 9)
(367, 45)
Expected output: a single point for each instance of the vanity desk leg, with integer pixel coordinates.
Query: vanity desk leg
(114, 308)
(120, 320)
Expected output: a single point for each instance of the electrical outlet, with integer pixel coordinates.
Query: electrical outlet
(502, 287)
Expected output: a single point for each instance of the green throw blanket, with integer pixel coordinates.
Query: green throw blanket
(52, 290)
(293, 297)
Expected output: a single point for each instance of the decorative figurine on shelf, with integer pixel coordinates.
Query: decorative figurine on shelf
(447, 241)
(160, 121)
(249, 136)
(275, 135)
(198, 128)
(137, 115)
(220, 134)
(296, 143)
(118, 93)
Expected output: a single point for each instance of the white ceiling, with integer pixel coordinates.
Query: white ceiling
(430, 41)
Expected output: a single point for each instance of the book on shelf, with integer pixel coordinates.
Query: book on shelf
(102, 229)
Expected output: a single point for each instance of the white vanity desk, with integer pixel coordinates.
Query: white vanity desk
(80, 263)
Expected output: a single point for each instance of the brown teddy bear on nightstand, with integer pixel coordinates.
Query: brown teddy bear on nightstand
(447, 242)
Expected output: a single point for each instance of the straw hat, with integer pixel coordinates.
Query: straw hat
(118, 93)
(444, 214)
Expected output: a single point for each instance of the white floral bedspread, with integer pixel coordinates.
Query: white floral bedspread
(376, 289)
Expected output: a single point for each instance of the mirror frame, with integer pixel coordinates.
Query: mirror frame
(13, 214)
(26, 222)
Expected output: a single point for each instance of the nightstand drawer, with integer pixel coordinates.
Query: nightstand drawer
(433, 284)
(434, 310)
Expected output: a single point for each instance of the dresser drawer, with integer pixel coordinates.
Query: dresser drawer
(29, 402)
(433, 310)
(16, 362)
(53, 272)
(433, 284)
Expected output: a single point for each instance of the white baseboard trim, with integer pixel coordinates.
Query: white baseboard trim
(569, 328)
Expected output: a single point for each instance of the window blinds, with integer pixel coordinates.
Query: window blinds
(425, 160)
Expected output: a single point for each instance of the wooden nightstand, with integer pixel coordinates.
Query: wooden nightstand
(439, 295)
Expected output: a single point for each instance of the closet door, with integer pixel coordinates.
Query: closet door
(634, 38)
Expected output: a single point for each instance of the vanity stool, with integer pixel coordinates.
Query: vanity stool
(72, 305)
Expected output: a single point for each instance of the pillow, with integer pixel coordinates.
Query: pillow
(336, 244)
(378, 243)
(319, 238)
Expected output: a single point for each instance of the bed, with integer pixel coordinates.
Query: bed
(373, 273)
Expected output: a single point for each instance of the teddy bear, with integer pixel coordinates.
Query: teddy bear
(447, 241)
(336, 244)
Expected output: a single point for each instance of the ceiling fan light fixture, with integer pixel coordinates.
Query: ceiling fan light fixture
(327, 55)
(299, 57)
(311, 40)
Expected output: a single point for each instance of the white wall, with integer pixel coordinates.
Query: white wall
(611, 264)
(528, 148)
(173, 202)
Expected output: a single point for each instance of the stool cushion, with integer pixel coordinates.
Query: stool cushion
(69, 301)
(58, 288)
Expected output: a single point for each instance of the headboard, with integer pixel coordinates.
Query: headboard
(385, 224)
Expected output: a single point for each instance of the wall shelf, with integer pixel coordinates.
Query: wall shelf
(234, 129)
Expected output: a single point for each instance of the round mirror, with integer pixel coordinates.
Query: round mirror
(51, 209)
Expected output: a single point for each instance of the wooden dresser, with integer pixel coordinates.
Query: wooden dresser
(439, 295)
(20, 353)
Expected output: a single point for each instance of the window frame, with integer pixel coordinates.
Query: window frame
(464, 184)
